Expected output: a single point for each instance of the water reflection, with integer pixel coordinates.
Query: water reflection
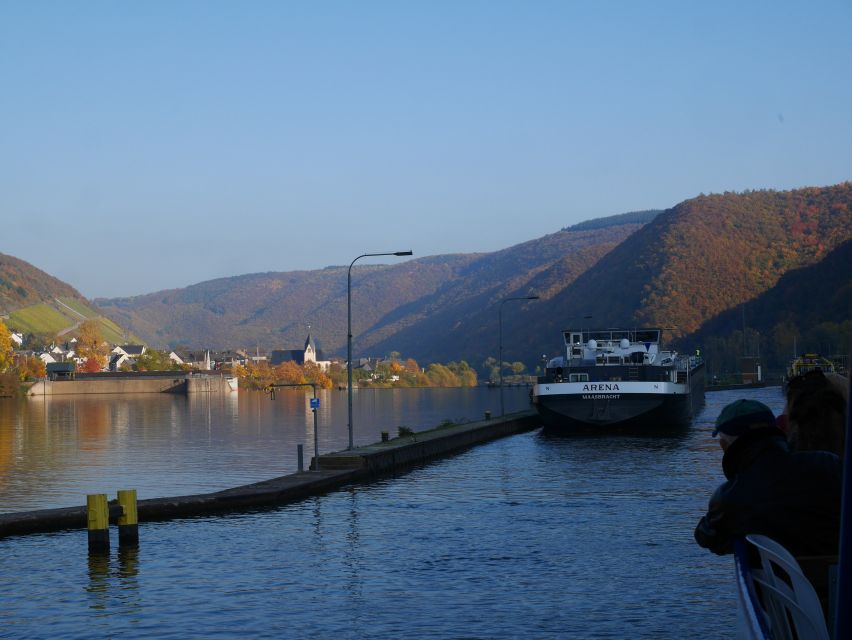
(353, 560)
(113, 583)
(98, 585)
(56, 450)
(128, 564)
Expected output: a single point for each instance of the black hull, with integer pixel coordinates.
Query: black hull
(639, 412)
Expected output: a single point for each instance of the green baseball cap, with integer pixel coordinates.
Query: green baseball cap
(739, 416)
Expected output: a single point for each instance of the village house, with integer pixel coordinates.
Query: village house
(124, 356)
(130, 350)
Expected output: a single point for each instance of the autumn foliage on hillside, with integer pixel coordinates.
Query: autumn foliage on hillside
(710, 254)
(23, 285)
(809, 310)
(718, 251)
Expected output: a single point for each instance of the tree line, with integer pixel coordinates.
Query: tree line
(393, 372)
(728, 355)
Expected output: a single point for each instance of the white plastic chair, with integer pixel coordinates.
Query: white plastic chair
(791, 605)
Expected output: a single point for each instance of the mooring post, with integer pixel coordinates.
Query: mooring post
(128, 521)
(97, 522)
(300, 457)
(314, 405)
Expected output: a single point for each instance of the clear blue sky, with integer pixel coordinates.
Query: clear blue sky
(158, 144)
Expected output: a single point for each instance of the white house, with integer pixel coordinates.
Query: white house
(130, 350)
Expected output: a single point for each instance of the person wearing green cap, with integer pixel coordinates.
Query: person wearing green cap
(792, 497)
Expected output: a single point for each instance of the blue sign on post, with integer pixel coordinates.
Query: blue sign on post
(314, 403)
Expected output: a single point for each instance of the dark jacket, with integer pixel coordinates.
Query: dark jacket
(794, 498)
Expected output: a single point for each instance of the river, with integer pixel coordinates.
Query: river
(529, 536)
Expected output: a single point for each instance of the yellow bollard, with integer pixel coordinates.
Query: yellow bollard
(97, 521)
(128, 521)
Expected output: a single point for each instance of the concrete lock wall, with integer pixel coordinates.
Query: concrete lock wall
(176, 384)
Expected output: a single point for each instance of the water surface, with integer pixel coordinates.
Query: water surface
(529, 536)
(55, 451)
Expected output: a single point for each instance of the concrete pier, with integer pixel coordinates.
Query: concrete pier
(336, 470)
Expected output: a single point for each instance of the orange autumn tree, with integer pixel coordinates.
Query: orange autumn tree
(7, 351)
(30, 368)
(315, 374)
(91, 346)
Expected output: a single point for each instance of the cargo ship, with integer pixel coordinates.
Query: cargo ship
(618, 379)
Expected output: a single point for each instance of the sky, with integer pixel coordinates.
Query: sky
(154, 145)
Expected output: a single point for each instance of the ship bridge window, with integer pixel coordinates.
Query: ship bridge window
(651, 335)
(578, 377)
(613, 359)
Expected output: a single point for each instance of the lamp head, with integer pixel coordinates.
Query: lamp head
(403, 253)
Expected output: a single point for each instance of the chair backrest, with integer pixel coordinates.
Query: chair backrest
(791, 604)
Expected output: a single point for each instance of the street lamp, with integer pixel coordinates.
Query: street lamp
(500, 322)
(349, 329)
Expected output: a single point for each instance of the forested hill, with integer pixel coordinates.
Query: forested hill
(409, 307)
(699, 259)
(23, 285)
(632, 217)
(683, 268)
(806, 311)
(679, 270)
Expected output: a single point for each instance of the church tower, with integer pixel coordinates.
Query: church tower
(310, 348)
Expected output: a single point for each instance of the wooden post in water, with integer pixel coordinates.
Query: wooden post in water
(97, 522)
(128, 521)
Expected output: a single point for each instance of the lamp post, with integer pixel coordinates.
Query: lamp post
(349, 331)
(500, 353)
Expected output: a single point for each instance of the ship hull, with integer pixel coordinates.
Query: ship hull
(617, 406)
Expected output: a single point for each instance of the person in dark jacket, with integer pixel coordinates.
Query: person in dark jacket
(794, 498)
(815, 413)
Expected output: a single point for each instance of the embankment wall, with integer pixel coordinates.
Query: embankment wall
(126, 385)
